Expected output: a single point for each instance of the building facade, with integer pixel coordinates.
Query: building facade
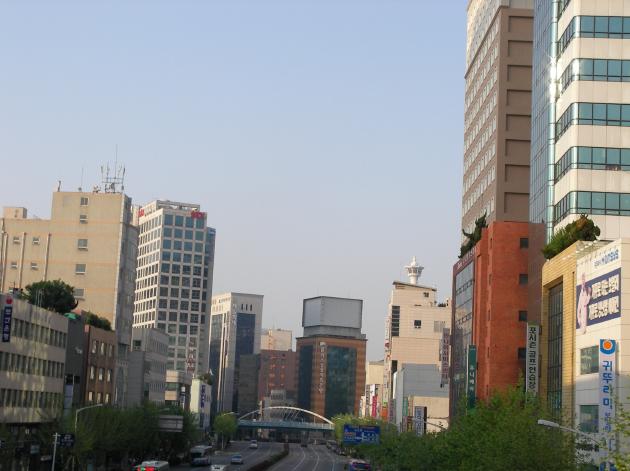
(276, 339)
(147, 366)
(497, 111)
(99, 366)
(416, 326)
(89, 242)
(331, 356)
(200, 403)
(278, 371)
(174, 280)
(371, 400)
(236, 320)
(177, 391)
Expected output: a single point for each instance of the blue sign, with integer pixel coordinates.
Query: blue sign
(357, 435)
(7, 314)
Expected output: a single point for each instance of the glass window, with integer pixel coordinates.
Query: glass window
(613, 112)
(198, 247)
(613, 156)
(199, 235)
(79, 268)
(82, 244)
(584, 155)
(624, 201)
(612, 201)
(589, 360)
(168, 219)
(175, 269)
(183, 317)
(172, 316)
(585, 110)
(615, 26)
(598, 200)
(188, 246)
(183, 329)
(589, 418)
(166, 256)
(614, 70)
(166, 267)
(599, 69)
(522, 316)
(599, 113)
(179, 221)
(168, 232)
(587, 24)
(189, 221)
(199, 223)
(177, 256)
(188, 235)
(599, 157)
(166, 243)
(601, 26)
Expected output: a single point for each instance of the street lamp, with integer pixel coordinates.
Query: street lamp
(76, 418)
(550, 424)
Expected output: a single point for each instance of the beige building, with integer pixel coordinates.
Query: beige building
(32, 365)
(177, 390)
(497, 111)
(90, 243)
(414, 331)
(276, 339)
(371, 400)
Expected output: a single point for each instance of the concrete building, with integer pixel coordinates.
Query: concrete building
(418, 387)
(90, 243)
(276, 339)
(200, 403)
(371, 400)
(174, 280)
(278, 371)
(99, 366)
(331, 356)
(497, 111)
(248, 379)
(416, 326)
(236, 320)
(76, 350)
(178, 389)
(32, 365)
(147, 366)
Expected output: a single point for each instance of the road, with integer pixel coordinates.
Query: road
(311, 458)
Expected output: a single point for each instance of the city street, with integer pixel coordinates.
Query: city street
(312, 458)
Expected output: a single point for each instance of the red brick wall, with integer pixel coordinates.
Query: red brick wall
(498, 298)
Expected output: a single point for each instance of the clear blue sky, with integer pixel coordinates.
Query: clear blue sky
(323, 137)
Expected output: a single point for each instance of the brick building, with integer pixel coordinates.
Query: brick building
(100, 364)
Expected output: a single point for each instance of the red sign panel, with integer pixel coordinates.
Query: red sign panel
(197, 214)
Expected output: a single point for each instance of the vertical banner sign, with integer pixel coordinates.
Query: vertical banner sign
(472, 375)
(374, 403)
(607, 349)
(418, 419)
(444, 354)
(7, 315)
(202, 397)
(531, 367)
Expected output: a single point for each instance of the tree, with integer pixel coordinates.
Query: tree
(100, 322)
(580, 229)
(52, 295)
(225, 425)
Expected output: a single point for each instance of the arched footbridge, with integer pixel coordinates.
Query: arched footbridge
(285, 418)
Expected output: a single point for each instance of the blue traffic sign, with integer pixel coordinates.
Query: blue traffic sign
(357, 435)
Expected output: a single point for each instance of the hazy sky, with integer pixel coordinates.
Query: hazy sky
(323, 137)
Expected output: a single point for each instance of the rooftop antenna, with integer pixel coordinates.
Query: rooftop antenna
(113, 178)
(81, 184)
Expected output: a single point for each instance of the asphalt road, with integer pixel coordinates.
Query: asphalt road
(250, 457)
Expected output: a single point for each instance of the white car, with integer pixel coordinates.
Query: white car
(218, 467)
(253, 445)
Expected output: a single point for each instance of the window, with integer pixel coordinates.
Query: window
(589, 360)
(426, 294)
(99, 397)
(35, 240)
(100, 374)
(16, 240)
(82, 244)
(524, 242)
(522, 316)
(83, 219)
(522, 353)
(34, 266)
(79, 269)
(417, 324)
(554, 350)
(84, 201)
(92, 372)
(589, 418)
(168, 219)
(79, 293)
(90, 396)
(14, 265)
(395, 321)
(522, 279)
(107, 398)
(94, 346)
(103, 347)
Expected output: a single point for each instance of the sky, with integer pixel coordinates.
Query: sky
(322, 137)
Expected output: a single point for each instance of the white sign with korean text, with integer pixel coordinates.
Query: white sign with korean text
(607, 350)
(531, 359)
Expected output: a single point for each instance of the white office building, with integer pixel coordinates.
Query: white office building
(235, 331)
(174, 280)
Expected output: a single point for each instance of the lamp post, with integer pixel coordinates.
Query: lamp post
(550, 424)
(76, 419)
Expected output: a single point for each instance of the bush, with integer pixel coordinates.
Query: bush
(580, 229)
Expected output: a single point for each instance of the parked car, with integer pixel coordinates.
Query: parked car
(237, 459)
(358, 465)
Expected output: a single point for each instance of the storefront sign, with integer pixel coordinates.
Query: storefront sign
(607, 350)
(419, 416)
(472, 375)
(531, 367)
(7, 315)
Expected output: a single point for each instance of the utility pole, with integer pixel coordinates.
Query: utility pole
(55, 440)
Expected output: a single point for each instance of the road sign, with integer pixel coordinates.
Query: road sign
(66, 440)
(357, 435)
(7, 314)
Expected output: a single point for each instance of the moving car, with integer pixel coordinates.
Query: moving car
(359, 465)
(200, 455)
(237, 459)
(253, 445)
(218, 467)
(152, 466)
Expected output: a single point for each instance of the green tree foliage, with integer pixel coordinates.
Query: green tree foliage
(207, 378)
(100, 322)
(622, 428)
(474, 236)
(500, 434)
(580, 229)
(52, 295)
(225, 425)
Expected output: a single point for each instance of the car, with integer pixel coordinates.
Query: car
(253, 445)
(237, 459)
(359, 465)
(218, 467)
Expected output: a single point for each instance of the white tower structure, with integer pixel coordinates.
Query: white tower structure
(414, 271)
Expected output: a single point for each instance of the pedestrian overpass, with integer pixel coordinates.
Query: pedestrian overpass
(285, 418)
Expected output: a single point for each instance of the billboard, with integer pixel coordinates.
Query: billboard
(364, 434)
(334, 312)
(598, 292)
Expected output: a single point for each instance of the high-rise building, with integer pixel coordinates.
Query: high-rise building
(331, 356)
(580, 62)
(236, 320)
(497, 111)
(276, 339)
(416, 326)
(174, 280)
(90, 243)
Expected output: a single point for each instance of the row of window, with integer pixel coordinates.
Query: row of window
(182, 341)
(592, 202)
(183, 234)
(592, 158)
(31, 399)
(175, 304)
(18, 240)
(183, 221)
(179, 257)
(103, 374)
(183, 317)
(38, 333)
(593, 114)
(91, 396)
(102, 348)
(30, 365)
(612, 27)
(177, 269)
(598, 70)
